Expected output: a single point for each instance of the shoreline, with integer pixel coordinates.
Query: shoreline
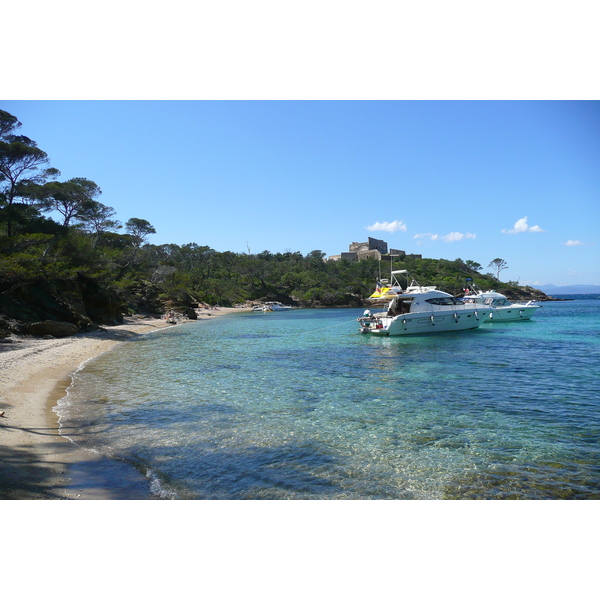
(37, 461)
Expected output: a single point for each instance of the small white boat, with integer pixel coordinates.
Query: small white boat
(421, 309)
(500, 308)
(271, 307)
(276, 306)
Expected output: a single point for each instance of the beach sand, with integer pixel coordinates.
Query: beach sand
(36, 462)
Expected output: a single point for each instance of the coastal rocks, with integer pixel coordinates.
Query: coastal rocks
(17, 327)
(5, 332)
(181, 302)
(190, 313)
(525, 294)
(143, 297)
(57, 329)
(100, 304)
(4, 329)
(80, 301)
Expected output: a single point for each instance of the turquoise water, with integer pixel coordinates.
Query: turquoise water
(299, 405)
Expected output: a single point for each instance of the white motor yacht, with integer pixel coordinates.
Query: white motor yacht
(499, 307)
(421, 309)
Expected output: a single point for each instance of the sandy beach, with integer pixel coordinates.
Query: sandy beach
(37, 462)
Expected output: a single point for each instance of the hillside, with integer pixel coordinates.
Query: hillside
(92, 293)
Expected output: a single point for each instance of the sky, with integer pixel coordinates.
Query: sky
(477, 180)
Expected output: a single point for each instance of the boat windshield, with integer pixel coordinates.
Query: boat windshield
(444, 301)
(497, 302)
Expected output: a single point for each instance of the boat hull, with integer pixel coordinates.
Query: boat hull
(512, 313)
(500, 307)
(419, 323)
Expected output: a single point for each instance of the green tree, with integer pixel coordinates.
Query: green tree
(139, 229)
(474, 266)
(98, 219)
(20, 164)
(498, 264)
(8, 123)
(73, 199)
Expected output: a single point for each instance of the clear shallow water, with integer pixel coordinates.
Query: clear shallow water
(298, 405)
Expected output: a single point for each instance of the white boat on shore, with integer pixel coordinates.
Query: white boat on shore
(421, 309)
(500, 308)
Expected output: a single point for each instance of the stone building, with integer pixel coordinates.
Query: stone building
(397, 253)
(356, 256)
(372, 244)
(371, 249)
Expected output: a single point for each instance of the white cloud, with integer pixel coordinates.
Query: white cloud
(522, 227)
(454, 236)
(389, 227)
(573, 243)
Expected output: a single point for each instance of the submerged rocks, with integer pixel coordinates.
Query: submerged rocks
(525, 294)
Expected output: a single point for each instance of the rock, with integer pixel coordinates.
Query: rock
(57, 329)
(190, 313)
(81, 301)
(17, 328)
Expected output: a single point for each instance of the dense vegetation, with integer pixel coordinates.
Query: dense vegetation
(80, 268)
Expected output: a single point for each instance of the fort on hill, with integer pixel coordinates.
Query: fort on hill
(372, 248)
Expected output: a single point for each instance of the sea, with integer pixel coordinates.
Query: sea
(298, 405)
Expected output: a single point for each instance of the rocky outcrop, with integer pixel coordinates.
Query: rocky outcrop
(82, 303)
(57, 329)
(4, 329)
(100, 304)
(144, 297)
(524, 294)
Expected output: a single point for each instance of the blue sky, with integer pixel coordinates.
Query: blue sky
(477, 180)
